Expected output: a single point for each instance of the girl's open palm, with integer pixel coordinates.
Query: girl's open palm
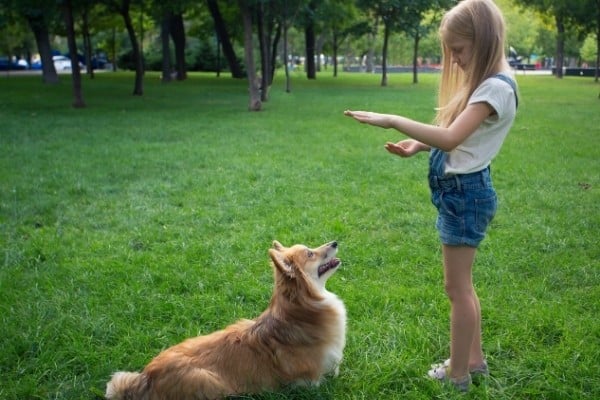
(405, 148)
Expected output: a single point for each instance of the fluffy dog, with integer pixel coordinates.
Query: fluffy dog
(298, 339)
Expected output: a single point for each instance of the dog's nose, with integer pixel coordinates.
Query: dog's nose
(333, 244)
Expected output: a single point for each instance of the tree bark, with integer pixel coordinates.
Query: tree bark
(165, 28)
(597, 42)
(309, 37)
(254, 103)
(75, 71)
(386, 37)
(274, 47)
(221, 29)
(178, 35)
(286, 61)
(138, 88)
(265, 59)
(87, 42)
(560, 45)
(40, 32)
(416, 57)
(335, 46)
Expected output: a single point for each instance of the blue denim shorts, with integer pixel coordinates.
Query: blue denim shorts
(466, 205)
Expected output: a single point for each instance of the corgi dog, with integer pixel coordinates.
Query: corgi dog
(298, 340)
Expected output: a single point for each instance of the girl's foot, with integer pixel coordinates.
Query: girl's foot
(442, 374)
(479, 370)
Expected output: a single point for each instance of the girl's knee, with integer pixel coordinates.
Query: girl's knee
(459, 292)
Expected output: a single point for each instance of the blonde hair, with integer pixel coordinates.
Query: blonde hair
(480, 22)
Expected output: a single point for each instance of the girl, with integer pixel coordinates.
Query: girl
(476, 108)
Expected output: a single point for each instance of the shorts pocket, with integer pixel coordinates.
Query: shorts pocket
(485, 209)
(452, 204)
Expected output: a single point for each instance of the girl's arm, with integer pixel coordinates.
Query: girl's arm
(445, 139)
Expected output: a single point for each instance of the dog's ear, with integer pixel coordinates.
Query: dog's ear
(280, 263)
(277, 245)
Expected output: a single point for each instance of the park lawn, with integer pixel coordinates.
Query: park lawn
(136, 222)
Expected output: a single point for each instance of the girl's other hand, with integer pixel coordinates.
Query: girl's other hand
(371, 118)
(406, 148)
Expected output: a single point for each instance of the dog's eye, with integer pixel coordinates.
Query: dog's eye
(309, 254)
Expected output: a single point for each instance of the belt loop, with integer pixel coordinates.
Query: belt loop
(485, 176)
(457, 180)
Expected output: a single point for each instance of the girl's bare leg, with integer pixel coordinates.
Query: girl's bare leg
(465, 318)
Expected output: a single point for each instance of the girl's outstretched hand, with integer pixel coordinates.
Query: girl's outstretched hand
(371, 118)
(406, 148)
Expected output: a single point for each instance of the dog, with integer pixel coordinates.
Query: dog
(298, 340)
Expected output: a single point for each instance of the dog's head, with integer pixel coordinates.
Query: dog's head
(300, 261)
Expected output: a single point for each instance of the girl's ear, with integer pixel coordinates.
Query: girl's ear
(280, 263)
(277, 245)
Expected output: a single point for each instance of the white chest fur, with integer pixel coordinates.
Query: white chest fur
(334, 353)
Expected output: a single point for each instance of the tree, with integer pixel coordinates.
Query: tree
(412, 23)
(342, 20)
(224, 39)
(165, 28)
(309, 18)
(589, 22)
(39, 16)
(178, 35)
(16, 39)
(289, 9)
(123, 8)
(564, 13)
(254, 103)
(67, 9)
(390, 12)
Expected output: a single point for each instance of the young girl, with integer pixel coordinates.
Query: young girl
(476, 108)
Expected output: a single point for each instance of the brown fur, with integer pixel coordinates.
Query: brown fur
(298, 339)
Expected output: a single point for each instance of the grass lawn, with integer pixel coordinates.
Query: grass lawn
(140, 221)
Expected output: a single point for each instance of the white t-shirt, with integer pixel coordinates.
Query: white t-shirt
(478, 150)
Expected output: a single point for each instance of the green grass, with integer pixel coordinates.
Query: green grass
(140, 221)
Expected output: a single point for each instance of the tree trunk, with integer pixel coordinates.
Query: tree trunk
(113, 47)
(221, 29)
(274, 47)
(87, 42)
(75, 71)
(138, 89)
(335, 53)
(309, 37)
(263, 41)
(386, 37)
(178, 35)
(597, 41)
(254, 103)
(265, 32)
(165, 29)
(560, 45)
(40, 32)
(416, 57)
(286, 61)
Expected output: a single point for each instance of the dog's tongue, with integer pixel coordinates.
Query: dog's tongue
(334, 262)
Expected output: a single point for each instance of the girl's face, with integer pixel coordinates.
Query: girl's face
(461, 51)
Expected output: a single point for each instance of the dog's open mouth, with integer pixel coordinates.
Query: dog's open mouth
(331, 264)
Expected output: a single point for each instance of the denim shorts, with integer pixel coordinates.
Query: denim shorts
(466, 205)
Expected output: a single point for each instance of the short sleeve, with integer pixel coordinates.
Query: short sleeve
(498, 94)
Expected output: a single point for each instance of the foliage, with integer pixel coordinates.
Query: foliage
(137, 222)
(589, 49)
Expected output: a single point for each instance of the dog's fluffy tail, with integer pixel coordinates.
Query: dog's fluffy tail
(126, 385)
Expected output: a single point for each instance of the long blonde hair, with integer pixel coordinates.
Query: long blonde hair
(481, 22)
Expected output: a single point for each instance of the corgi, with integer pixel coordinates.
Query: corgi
(298, 340)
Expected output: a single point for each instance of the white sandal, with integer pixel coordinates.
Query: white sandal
(440, 373)
(480, 370)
